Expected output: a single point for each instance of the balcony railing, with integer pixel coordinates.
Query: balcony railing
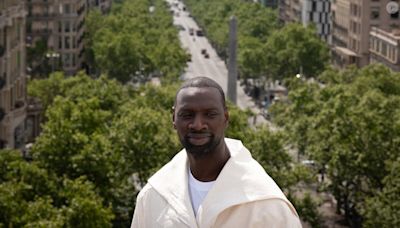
(40, 16)
(44, 2)
(41, 32)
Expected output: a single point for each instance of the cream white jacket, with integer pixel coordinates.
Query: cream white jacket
(242, 196)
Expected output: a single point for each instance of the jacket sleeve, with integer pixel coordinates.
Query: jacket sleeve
(138, 214)
(272, 213)
(277, 213)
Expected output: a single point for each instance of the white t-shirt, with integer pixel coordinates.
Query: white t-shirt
(198, 191)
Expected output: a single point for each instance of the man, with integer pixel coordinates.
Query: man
(214, 181)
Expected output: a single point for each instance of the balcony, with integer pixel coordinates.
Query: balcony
(41, 32)
(40, 2)
(19, 112)
(42, 16)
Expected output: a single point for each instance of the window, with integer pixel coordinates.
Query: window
(394, 15)
(384, 49)
(60, 42)
(19, 60)
(66, 42)
(375, 13)
(67, 26)
(67, 8)
(67, 59)
(391, 52)
(353, 27)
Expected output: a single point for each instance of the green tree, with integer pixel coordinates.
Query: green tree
(383, 209)
(32, 197)
(255, 25)
(133, 44)
(349, 126)
(295, 49)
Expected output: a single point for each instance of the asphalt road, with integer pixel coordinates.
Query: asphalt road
(212, 67)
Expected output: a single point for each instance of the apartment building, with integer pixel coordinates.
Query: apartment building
(384, 47)
(352, 21)
(307, 12)
(103, 5)
(12, 74)
(59, 25)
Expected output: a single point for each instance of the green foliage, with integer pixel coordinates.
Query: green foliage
(84, 209)
(383, 209)
(268, 149)
(255, 24)
(264, 49)
(350, 125)
(133, 44)
(307, 209)
(36, 58)
(107, 139)
(293, 49)
(31, 197)
(132, 134)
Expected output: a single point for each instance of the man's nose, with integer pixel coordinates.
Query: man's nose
(198, 123)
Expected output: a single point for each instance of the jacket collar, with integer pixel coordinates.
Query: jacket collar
(171, 182)
(241, 180)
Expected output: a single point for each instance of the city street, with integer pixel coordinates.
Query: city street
(213, 66)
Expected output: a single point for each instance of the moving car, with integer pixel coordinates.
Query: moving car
(199, 32)
(205, 53)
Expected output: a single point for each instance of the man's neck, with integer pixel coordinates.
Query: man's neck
(207, 168)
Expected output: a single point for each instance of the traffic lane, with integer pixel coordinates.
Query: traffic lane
(213, 67)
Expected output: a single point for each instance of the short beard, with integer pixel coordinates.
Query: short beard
(199, 152)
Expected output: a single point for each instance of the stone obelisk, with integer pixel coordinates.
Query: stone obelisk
(232, 63)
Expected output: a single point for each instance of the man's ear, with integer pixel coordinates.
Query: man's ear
(226, 114)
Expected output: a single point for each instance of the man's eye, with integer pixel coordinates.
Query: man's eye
(212, 114)
(185, 115)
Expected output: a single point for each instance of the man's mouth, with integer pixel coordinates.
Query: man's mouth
(198, 138)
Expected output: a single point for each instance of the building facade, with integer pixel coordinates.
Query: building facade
(384, 47)
(308, 12)
(103, 5)
(59, 26)
(13, 98)
(352, 21)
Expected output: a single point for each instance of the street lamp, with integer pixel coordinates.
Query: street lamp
(52, 56)
(151, 9)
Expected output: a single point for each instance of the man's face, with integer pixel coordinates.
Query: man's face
(200, 119)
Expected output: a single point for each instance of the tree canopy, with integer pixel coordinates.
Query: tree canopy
(266, 49)
(132, 43)
(350, 126)
(108, 139)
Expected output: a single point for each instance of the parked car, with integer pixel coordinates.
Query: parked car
(203, 51)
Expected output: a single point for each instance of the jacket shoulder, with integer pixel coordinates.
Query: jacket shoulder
(273, 212)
